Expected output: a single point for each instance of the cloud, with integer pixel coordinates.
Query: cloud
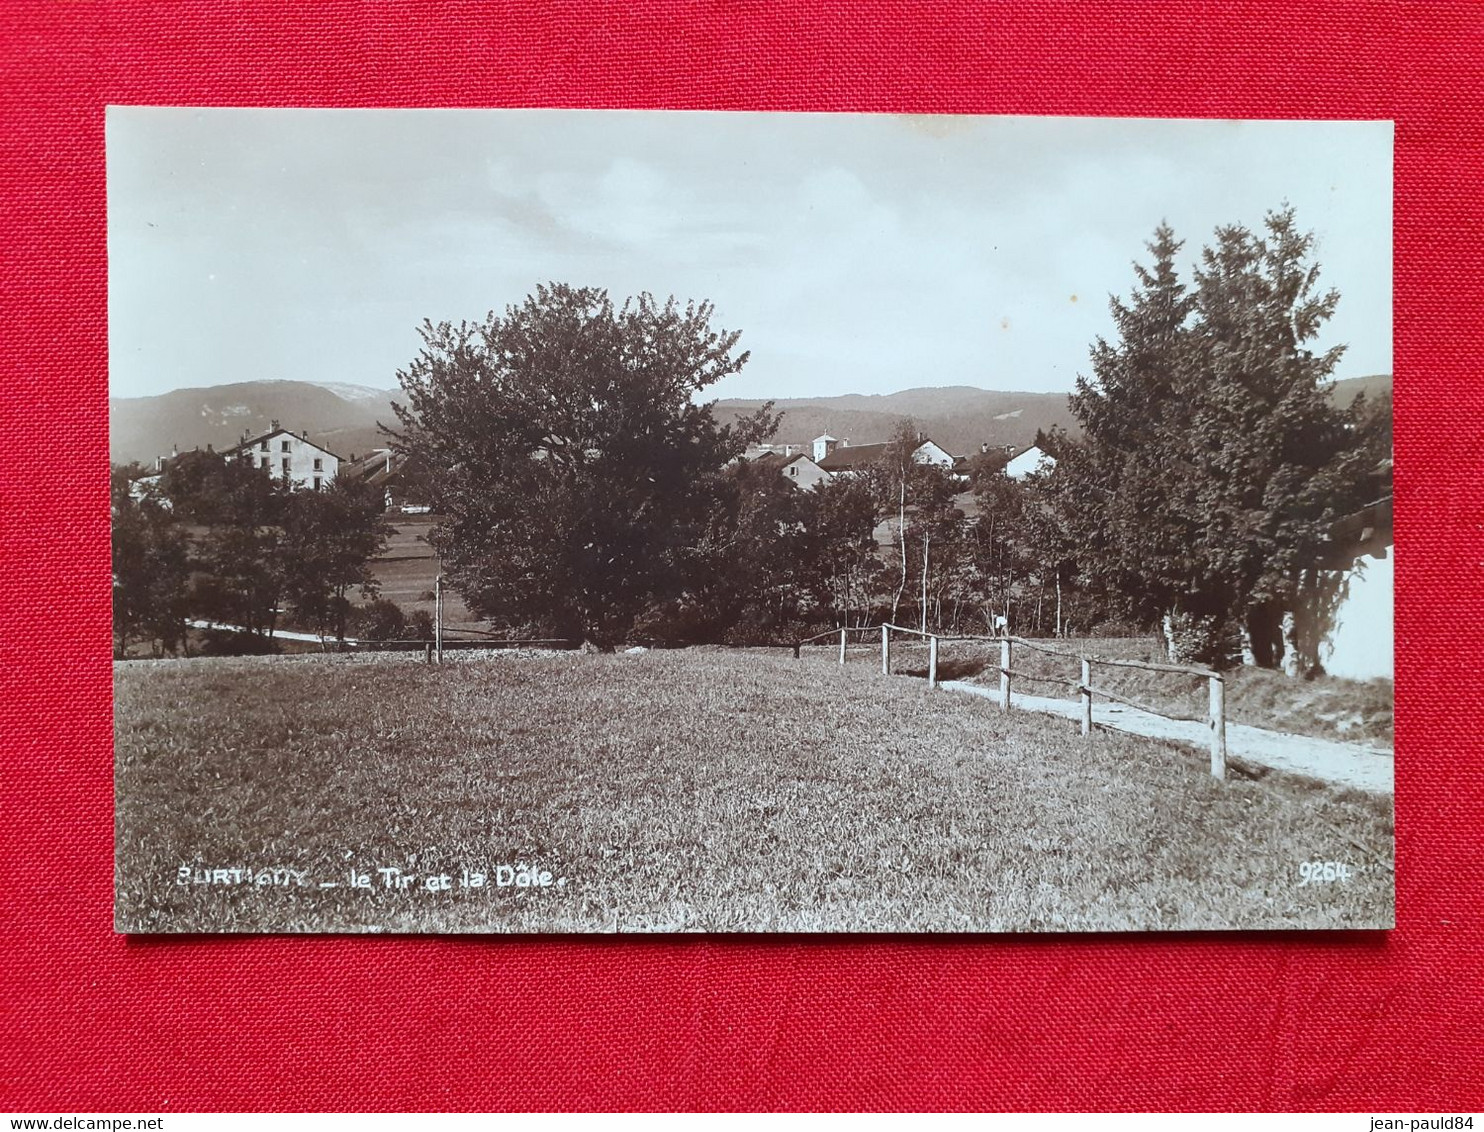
(855, 252)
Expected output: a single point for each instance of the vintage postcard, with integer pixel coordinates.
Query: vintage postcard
(558, 521)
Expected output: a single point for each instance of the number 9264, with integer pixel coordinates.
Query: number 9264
(1323, 872)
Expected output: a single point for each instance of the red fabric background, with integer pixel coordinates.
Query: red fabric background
(95, 1021)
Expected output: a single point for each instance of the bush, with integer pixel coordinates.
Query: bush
(380, 620)
(419, 626)
(226, 642)
(1203, 639)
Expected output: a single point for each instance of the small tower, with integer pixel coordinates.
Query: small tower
(823, 446)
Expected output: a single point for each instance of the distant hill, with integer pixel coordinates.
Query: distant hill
(1373, 386)
(959, 418)
(341, 418)
(344, 418)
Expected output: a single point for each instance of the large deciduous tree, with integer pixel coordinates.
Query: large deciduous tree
(564, 447)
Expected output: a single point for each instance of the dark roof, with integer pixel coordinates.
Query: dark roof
(246, 444)
(372, 467)
(1367, 531)
(768, 459)
(853, 457)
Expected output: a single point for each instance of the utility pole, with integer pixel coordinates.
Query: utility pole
(438, 616)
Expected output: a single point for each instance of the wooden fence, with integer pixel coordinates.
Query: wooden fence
(1086, 689)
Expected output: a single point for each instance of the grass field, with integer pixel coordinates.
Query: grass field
(407, 570)
(699, 789)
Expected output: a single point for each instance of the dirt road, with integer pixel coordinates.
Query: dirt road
(1346, 764)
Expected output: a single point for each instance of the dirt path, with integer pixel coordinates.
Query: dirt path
(281, 634)
(1345, 764)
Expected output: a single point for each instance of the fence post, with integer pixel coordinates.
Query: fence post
(797, 646)
(842, 646)
(1086, 696)
(1004, 673)
(1218, 727)
(885, 650)
(932, 662)
(428, 653)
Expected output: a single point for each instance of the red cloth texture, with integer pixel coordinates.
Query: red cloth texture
(95, 1021)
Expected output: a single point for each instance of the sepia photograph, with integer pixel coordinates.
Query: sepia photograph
(557, 521)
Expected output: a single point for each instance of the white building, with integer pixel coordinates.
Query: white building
(289, 456)
(801, 471)
(1360, 638)
(1028, 463)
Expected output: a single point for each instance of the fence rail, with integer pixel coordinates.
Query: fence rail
(1085, 688)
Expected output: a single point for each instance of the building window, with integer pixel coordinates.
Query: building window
(793, 471)
(283, 446)
(285, 465)
(319, 464)
(263, 446)
(316, 483)
(264, 462)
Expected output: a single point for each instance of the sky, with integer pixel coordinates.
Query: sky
(855, 253)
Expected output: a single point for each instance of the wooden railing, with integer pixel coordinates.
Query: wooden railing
(1085, 688)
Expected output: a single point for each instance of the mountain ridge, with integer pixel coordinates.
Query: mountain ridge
(346, 418)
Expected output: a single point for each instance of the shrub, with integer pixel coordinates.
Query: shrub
(419, 626)
(380, 620)
(226, 642)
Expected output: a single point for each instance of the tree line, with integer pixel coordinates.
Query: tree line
(586, 491)
(222, 541)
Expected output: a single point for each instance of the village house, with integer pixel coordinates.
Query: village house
(386, 469)
(801, 471)
(288, 456)
(1028, 463)
(1359, 640)
(794, 466)
(840, 458)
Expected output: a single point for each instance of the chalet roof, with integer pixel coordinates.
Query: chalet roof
(823, 436)
(769, 459)
(256, 440)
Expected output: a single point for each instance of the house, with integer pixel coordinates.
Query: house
(845, 459)
(797, 468)
(1358, 641)
(142, 486)
(386, 469)
(1028, 463)
(288, 456)
(757, 451)
(801, 471)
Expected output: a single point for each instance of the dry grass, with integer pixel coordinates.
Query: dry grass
(693, 790)
(1326, 707)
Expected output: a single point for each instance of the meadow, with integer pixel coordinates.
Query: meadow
(701, 789)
